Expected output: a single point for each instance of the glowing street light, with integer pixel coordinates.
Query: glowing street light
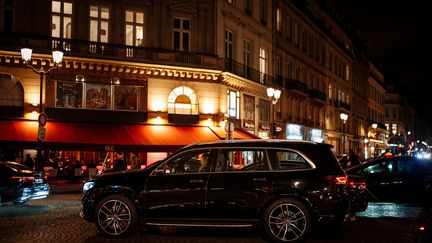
(26, 55)
(344, 118)
(274, 95)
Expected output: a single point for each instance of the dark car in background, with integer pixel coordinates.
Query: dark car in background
(20, 184)
(285, 187)
(399, 179)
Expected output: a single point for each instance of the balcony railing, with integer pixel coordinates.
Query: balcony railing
(247, 72)
(296, 85)
(316, 94)
(89, 49)
(343, 105)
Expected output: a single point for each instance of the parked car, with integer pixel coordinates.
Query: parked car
(284, 186)
(400, 179)
(20, 184)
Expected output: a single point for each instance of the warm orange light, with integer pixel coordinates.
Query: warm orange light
(157, 120)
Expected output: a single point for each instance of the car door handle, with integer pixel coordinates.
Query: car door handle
(260, 179)
(196, 181)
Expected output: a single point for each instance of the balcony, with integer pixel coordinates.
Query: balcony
(247, 72)
(297, 88)
(118, 52)
(317, 96)
(342, 105)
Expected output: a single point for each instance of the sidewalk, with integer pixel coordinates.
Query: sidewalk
(64, 186)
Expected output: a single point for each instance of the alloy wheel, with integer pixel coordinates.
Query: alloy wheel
(114, 217)
(287, 222)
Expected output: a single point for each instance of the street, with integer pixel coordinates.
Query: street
(55, 219)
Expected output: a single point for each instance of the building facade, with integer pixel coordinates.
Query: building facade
(152, 76)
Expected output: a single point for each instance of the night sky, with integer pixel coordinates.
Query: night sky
(399, 33)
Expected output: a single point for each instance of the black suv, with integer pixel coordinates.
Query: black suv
(284, 186)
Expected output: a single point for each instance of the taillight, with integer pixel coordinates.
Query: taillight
(23, 179)
(358, 185)
(421, 228)
(339, 180)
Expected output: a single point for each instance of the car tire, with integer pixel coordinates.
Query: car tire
(287, 220)
(116, 216)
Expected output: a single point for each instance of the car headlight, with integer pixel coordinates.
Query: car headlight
(88, 185)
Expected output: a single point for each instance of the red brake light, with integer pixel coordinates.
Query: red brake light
(421, 228)
(339, 180)
(23, 178)
(359, 185)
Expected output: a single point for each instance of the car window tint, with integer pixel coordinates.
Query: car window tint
(380, 168)
(241, 160)
(405, 166)
(287, 160)
(191, 162)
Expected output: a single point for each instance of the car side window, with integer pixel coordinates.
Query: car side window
(380, 168)
(241, 160)
(287, 160)
(191, 162)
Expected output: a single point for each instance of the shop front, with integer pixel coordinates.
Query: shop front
(84, 145)
(300, 132)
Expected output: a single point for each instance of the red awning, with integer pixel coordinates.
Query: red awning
(106, 134)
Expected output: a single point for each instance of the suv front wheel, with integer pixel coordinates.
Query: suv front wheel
(287, 220)
(116, 216)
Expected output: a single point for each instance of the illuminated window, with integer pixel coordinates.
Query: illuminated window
(181, 32)
(61, 19)
(233, 102)
(134, 28)
(183, 100)
(99, 24)
(85, 94)
(278, 19)
(262, 65)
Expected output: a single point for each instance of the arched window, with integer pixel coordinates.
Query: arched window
(11, 91)
(182, 100)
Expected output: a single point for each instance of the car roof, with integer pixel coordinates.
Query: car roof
(380, 159)
(256, 142)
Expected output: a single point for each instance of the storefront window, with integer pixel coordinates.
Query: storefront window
(86, 93)
(98, 96)
(69, 95)
(125, 98)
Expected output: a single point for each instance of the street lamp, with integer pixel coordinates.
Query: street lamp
(57, 55)
(274, 95)
(344, 118)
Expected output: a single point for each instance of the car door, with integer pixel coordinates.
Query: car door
(411, 179)
(239, 181)
(176, 188)
(379, 179)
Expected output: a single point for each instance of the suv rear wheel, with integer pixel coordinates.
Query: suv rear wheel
(116, 216)
(287, 220)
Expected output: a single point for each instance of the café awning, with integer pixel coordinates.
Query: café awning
(99, 135)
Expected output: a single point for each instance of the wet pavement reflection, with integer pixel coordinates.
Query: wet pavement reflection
(384, 209)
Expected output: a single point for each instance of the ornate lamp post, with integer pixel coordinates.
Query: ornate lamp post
(57, 55)
(274, 95)
(344, 118)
